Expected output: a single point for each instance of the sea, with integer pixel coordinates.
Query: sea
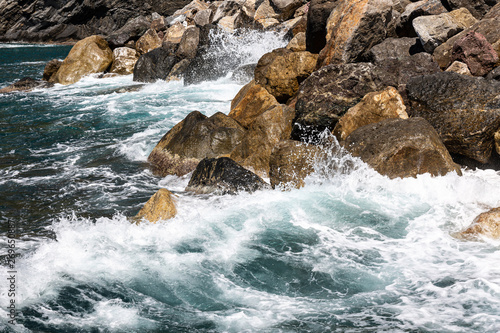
(351, 251)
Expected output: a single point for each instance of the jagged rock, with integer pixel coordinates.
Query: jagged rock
(281, 71)
(154, 65)
(51, 69)
(474, 50)
(414, 10)
(88, 56)
(302, 10)
(286, 8)
(395, 48)
(226, 8)
(265, 11)
(189, 43)
(494, 74)
(174, 33)
(459, 68)
(177, 71)
(464, 110)
(124, 60)
(485, 224)
(401, 148)
(269, 128)
(148, 42)
(191, 9)
(298, 43)
(130, 32)
(160, 207)
(353, 28)
(250, 102)
(374, 107)
(317, 17)
(26, 84)
(191, 140)
(434, 30)
(158, 24)
(203, 17)
(291, 162)
(223, 176)
(478, 8)
(237, 21)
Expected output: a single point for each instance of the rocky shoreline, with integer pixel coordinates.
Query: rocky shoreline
(408, 87)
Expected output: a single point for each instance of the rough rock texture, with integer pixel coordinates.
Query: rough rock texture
(191, 140)
(223, 176)
(395, 48)
(176, 73)
(129, 33)
(459, 68)
(148, 42)
(281, 71)
(494, 74)
(401, 148)
(474, 50)
(174, 33)
(26, 84)
(51, 69)
(298, 42)
(353, 28)
(434, 30)
(486, 224)
(317, 16)
(154, 65)
(464, 110)
(203, 17)
(416, 9)
(189, 43)
(291, 162)
(88, 56)
(478, 8)
(250, 102)
(57, 20)
(124, 59)
(374, 107)
(286, 8)
(160, 207)
(255, 149)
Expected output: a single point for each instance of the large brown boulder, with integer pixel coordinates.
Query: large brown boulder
(353, 28)
(317, 17)
(401, 148)
(161, 206)
(486, 224)
(281, 71)
(474, 50)
(223, 176)
(464, 110)
(124, 59)
(250, 102)
(374, 107)
(255, 149)
(88, 56)
(148, 42)
(193, 139)
(291, 162)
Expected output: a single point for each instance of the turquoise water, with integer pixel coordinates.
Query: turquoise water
(352, 251)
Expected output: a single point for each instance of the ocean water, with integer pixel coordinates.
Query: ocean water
(352, 251)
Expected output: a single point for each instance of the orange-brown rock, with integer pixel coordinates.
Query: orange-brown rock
(374, 107)
(124, 59)
(298, 42)
(148, 42)
(486, 224)
(174, 33)
(161, 206)
(271, 127)
(88, 56)
(51, 69)
(250, 102)
(281, 71)
(353, 28)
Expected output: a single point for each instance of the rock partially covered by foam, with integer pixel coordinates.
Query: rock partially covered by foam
(486, 224)
(161, 206)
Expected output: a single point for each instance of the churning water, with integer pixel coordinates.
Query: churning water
(352, 251)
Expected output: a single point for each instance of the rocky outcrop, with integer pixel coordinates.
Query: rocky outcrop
(464, 110)
(281, 71)
(160, 207)
(401, 148)
(154, 65)
(223, 176)
(124, 59)
(26, 84)
(474, 50)
(486, 224)
(193, 139)
(88, 56)
(317, 17)
(291, 162)
(374, 107)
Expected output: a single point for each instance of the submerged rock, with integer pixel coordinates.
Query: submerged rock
(161, 206)
(486, 224)
(223, 176)
(26, 84)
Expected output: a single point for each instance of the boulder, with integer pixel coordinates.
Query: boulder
(26, 84)
(434, 30)
(395, 48)
(265, 11)
(154, 65)
(148, 42)
(203, 17)
(176, 73)
(401, 148)
(250, 102)
(131, 31)
(193, 139)
(474, 50)
(51, 69)
(281, 71)
(298, 43)
(160, 207)
(256, 146)
(226, 8)
(189, 43)
(317, 17)
(158, 23)
(223, 176)
(478, 8)
(174, 33)
(374, 107)
(486, 224)
(88, 56)
(353, 28)
(459, 68)
(416, 9)
(286, 8)
(464, 110)
(291, 162)
(124, 60)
